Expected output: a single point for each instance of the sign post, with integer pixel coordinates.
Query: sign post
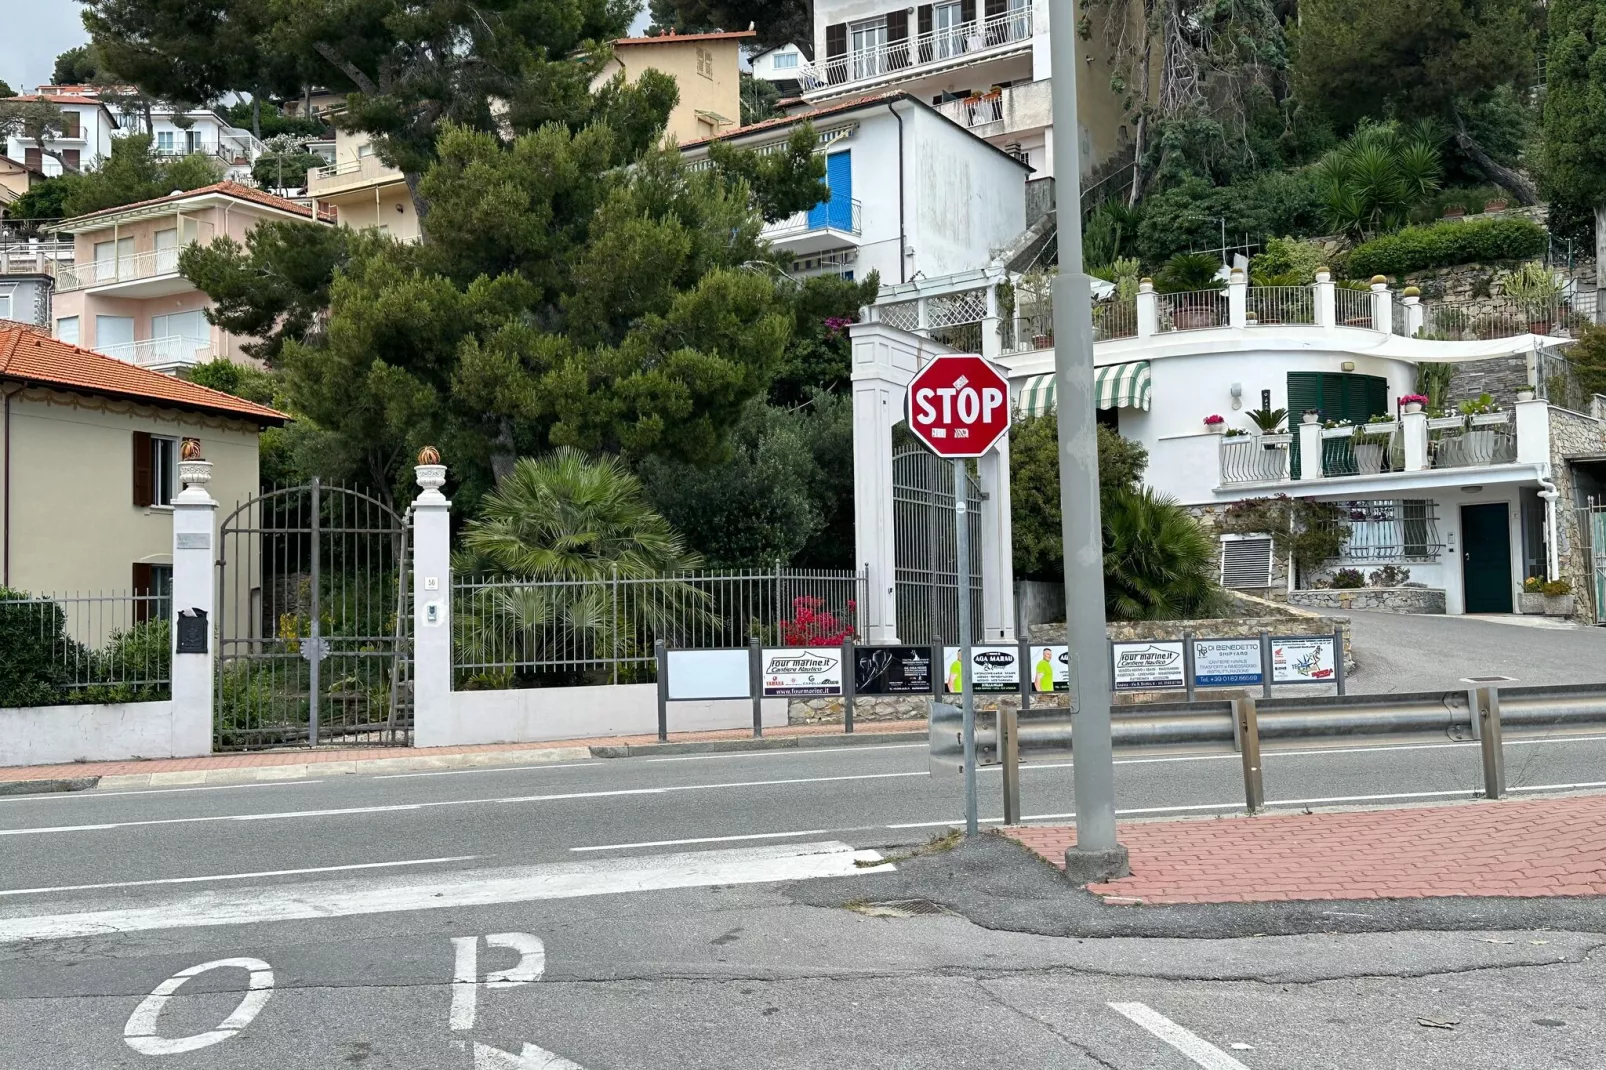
(958, 405)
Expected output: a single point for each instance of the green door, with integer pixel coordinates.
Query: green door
(1486, 558)
(1338, 396)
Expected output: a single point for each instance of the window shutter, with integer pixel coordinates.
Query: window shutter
(144, 488)
(898, 31)
(143, 584)
(1304, 392)
(923, 26)
(836, 52)
(70, 158)
(34, 158)
(1245, 562)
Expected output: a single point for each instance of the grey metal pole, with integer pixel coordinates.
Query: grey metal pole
(1187, 663)
(660, 653)
(1338, 656)
(1096, 854)
(1249, 732)
(755, 681)
(1487, 711)
(1265, 663)
(1023, 660)
(967, 701)
(849, 684)
(1009, 757)
(315, 629)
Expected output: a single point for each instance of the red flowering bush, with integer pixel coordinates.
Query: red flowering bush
(812, 624)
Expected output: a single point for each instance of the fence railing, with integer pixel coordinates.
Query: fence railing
(1283, 304)
(82, 648)
(1506, 318)
(1192, 310)
(1255, 458)
(1115, 318)
(831, 215)
(146, 265)
(511, 632)
(171, 349)
(1353, 307)
(941, 45)
(1479, 440)
(1378, 530)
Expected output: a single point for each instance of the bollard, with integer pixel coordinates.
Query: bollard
(755, 685)
(1338, 656)
(1249, 733)
(660, 652)
(1009, 758)
(849, 682)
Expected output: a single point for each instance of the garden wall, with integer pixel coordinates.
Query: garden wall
(539, 714)
(1387, 599)
(110, 732)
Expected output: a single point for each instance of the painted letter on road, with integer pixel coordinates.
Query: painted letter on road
(140, 1032)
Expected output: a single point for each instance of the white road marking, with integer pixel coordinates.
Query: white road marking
(1198, 1049)
(531, 1058)
(140, 1032)
(789, 752)
(94, 793)
(1561, 787)
(482, 887)
(495, 769)
(465, 971)
(465, 976)
(238, 876)
(717, 839)
(507, 800)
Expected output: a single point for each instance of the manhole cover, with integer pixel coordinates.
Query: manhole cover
(901, 908)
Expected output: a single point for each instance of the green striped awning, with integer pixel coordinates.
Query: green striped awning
(1116, 386)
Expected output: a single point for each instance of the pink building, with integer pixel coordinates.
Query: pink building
(124, 296)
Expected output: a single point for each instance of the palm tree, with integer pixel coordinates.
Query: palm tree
(579, 570)
(1370, 183)
(1158, 562)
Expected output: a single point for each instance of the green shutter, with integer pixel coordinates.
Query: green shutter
(1304, 392)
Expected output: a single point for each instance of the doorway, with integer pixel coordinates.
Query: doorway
(1486, 557)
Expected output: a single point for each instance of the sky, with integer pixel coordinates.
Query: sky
(36, 31)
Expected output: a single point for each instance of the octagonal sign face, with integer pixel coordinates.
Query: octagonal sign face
(958, 405)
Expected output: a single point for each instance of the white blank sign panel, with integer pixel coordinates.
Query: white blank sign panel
(708, 674)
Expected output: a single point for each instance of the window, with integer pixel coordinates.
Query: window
(155, 470)
(705, 63)
(153, 587)
(5, 305)
(70, 125)
(364, 151)
(34, 159)
(166, 250)
(69, 159)
(164, 141)
(786, 61)
(67, 329)
(949, 28)
(114, 336)
(1245, 562)
(869, 47)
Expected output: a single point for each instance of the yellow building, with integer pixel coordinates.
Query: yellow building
(706, 67)
(361, 191)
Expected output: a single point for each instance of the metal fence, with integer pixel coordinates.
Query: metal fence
(1282, 304)
(512, 632)
(1506, 317)
(108, 647)
(1255, 458)
(1389, 529)
(925, 551)
(1353, 307)
(1115, 318)
(1361, 453)
(1592, 537)
(1481, 440)
(1557, 382)
(1192, 310)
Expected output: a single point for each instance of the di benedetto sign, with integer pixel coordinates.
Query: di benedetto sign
(802, 671)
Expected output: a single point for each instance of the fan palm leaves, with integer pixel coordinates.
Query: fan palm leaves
(1158, 562)
(1370, 183)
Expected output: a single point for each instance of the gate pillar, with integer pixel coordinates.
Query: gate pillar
(193, 625)
(884, 360)
(997, 546)
(432, 605)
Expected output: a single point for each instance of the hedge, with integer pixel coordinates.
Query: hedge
(1446, 245)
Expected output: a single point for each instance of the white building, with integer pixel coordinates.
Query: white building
(86, 138)
(912, 196)
(986, 66)
(1471, 505)
(780, 65)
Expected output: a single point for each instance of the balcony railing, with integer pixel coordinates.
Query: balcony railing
(1479, 440)
(156, 352)
(363, 169)
(147, 265)
(831, 215)
(1350, 451)
(1388, 529)
(975, 111)
(1282, 304)
(224, 151)
(1255, 458)
(1354, 307)
(1192, 310)
(943, 45)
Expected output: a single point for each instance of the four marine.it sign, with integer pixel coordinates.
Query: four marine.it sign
(958, 405)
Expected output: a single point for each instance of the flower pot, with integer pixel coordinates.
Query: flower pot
(1454, 211)
(1193, 319)
(1558, 605)
(1413, 406)
(1539, 326)
(1531, 603)
(1496, 205)
(1525, 395)
(1216, 429)
(1368, 458)
(1310, 418)
(1488, 419)
(1042, 341)
(1384, 428)
(1445, 423)
(1272, 440)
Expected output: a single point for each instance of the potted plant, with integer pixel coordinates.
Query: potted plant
(1558, 598)
(1192, 278)
(1532, 599)
(1495, 204)
(1454, 211)
(1215, 423)
(1382, 424)
(1413, 402)
(1235, 432)
(1311, 416)
(1537, 291)
(1526, 393)
(1268, 421)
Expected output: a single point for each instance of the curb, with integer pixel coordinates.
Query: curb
(724, 746)
(319, 770)
(42, 787)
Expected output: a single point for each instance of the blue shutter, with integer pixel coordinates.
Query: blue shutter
(839, 176)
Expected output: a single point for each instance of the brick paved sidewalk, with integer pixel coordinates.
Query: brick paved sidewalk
(305, 762)
(1515, 847)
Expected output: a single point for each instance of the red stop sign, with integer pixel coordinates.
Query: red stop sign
(958, 405)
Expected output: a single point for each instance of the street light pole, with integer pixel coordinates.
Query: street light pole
(1096, 855)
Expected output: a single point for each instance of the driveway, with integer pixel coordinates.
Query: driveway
(1398, 652)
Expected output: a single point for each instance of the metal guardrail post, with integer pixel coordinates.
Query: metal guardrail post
(1023, 660)
(1265, 663)
(1249, 732)
(660, 653)
(1009, 757)
(849, 681)
(1338, 656)
(1486, 713)
(755, 684)
(1187, 663)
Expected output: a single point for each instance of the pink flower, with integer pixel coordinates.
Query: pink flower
(1213, 419)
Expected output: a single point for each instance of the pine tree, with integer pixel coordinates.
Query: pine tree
(1575, 110)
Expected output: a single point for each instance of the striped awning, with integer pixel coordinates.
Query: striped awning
(1116, 386)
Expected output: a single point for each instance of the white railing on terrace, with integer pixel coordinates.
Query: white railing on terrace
(368, 168)
(167, 350)
(975, 111)
(1282, 304)
(224, 151)
(1355, 307)
(1255, 458)
(147, 265)
(1193, 310)
(940, 46)
(829, 216)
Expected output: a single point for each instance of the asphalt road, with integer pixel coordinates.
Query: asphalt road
(694, 912)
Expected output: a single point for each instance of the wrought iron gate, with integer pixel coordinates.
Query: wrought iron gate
(924, 548)
(314, 621)
(1592, 526)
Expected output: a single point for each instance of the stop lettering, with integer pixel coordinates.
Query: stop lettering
(958, 405)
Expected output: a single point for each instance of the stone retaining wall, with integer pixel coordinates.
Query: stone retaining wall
(1387, 599)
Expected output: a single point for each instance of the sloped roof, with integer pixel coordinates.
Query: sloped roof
(229, 189)
(798, 117)
(671, 38)
(29, 356)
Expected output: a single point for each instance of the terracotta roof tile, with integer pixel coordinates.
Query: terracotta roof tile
(803, 116)
(231, 189)
(28, 355)
(667, 38)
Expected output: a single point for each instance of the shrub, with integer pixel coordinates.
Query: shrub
(1348, 579)
(1557, 588)
(1389, 576)
(1188, 272)
(1034, 467)
(1447, 245)
(1158, 562)
(1187, 215)
(1286, 262)
(1310, 532)
(35, 651)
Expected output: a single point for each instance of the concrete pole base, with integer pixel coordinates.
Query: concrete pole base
(1086, 867)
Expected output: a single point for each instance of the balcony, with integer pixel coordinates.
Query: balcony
(1011, 110)
(148, 274)
(825, 226)
(350, 175)
(165, 354)
(226, 151)
(920, 54)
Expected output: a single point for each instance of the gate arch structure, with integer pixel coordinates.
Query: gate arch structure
(926, 553)
(314, 621)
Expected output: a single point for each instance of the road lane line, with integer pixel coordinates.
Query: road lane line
(488, 769)
(93, 793)
(1201, 1051)
(503, 801)
(238, 876)
(482, 887)
(788, 752)
(716, 839)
